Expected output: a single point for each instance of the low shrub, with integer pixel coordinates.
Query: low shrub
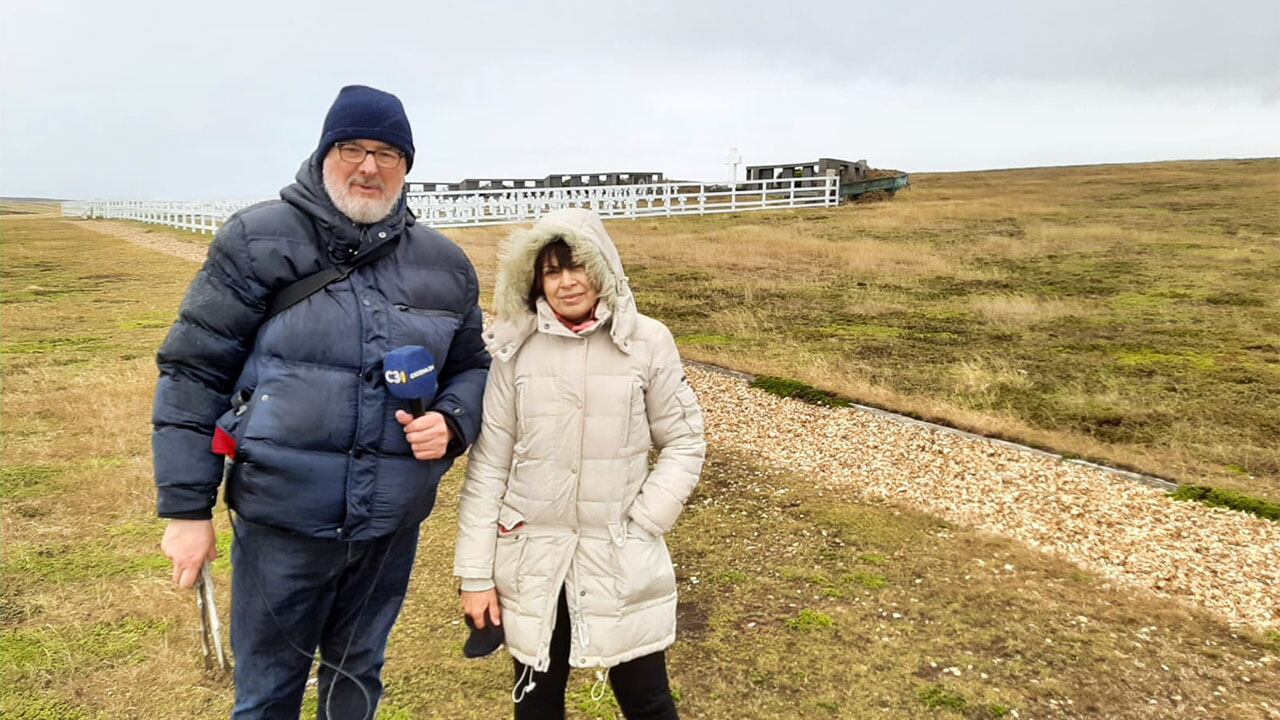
(1228, 499)
(783, 387)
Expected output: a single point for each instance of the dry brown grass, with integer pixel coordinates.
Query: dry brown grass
(1137, 299)
(26, 209)
(1023, 309)
(89, 618)
(1148, 281)
(984, 375)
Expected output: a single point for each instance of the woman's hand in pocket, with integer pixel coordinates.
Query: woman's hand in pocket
(475, 604)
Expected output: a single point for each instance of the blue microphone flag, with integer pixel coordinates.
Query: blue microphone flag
(410, 372)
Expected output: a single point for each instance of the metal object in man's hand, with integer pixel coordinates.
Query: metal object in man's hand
(210, 628)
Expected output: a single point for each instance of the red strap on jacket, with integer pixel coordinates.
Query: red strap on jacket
(223, 443)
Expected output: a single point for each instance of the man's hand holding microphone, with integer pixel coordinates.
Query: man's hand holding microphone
(427, 434)
(411, 376)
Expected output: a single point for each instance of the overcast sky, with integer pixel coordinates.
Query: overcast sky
(133, 99)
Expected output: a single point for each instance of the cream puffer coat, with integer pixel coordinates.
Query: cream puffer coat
(559, 490)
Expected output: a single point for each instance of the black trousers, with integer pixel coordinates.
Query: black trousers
(640, 685)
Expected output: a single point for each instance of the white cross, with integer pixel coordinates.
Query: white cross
(735, 159)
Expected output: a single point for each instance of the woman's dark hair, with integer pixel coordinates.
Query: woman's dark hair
(557, 250)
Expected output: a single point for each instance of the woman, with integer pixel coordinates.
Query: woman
(561, 518)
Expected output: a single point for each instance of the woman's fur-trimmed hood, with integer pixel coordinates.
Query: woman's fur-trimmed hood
(585, 235)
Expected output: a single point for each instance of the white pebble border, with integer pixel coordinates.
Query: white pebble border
(1225, 561)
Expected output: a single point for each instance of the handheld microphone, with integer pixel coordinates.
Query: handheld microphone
(410, 372)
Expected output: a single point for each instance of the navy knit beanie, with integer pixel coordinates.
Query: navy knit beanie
(365, 113)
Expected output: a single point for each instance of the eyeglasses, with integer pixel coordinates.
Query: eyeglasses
(354, 154)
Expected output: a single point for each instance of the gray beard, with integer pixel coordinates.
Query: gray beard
(364, 211)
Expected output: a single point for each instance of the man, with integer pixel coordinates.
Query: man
(327, 486)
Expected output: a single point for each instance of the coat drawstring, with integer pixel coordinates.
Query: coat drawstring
(517, 692)
(598, 687)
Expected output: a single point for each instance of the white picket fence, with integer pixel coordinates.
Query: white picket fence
(194, 215)
(462, 208)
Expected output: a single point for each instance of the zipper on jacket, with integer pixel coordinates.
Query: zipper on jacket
(582, 430)
(357, 293)
(427, 312)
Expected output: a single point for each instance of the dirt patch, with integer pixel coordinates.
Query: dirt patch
(873, 196)
(159, 242)
(691, 618)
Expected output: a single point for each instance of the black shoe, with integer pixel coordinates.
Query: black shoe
(482, 643)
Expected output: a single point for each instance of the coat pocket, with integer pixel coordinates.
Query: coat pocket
(432, 329)
(522, 412)
(510, 521)
(235, 422)
(508, 556)
(427, 312)
(689, 407)
(644, 568)
(636, 424)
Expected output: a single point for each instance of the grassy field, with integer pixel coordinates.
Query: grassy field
(1128, 313)
(794, 605)
(23, 207)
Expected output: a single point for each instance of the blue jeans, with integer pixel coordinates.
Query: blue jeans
(341, 597)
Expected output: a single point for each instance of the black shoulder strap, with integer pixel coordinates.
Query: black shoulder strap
(302, 289)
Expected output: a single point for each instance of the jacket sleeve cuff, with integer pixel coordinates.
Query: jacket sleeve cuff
(645, 524)
(188, 515)
(477, 584)
(457, 442)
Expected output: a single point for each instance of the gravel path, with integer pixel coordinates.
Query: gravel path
(194, 251)
(1221, 560)
(1227, 562)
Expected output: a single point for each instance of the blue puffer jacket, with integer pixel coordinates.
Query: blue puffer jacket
(319, 451)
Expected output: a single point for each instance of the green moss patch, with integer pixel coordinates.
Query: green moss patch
(24, 481)
(705, 340)
(1150, 359)
(870, 581)
(45, 346)
(809, 620)
(148, 321)
(937, 697)
(24, 706)
(58, 650)
(728, 576)
(75, 562)
(603, 706)
(1228, 499)
(783, 387)
(862, 331)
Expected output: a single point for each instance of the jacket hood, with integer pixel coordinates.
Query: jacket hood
(341, 233)
(591, 245)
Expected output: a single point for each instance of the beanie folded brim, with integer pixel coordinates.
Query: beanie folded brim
(365, 113)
